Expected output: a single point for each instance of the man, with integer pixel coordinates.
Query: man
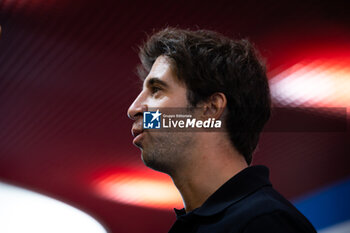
(213, 77)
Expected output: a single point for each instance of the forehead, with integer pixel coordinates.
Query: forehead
(162, 69)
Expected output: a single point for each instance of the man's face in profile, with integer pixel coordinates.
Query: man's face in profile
(161, 89)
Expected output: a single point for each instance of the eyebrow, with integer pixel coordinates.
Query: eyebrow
(153, 81)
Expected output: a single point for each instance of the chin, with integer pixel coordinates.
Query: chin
(153, 163)
(145, 158)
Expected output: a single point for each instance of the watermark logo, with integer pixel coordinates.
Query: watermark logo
(177, 119)
(282, 120)
(151, 120)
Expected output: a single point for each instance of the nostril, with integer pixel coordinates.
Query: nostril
(138, 115)
(134, 116)
(132, 112)
(136, 109)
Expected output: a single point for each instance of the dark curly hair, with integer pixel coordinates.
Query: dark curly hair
(208, 62)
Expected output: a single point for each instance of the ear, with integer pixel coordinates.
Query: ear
(215, 106)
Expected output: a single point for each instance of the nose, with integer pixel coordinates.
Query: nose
(137, 107)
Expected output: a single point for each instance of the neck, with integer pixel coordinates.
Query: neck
(210, 168)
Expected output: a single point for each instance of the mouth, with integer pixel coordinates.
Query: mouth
(137, 133)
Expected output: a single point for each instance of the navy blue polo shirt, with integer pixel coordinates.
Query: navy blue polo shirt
(246, 203)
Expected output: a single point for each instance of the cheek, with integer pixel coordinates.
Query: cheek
(179, 99)
(163, 101)
(180, 102)
(176, 103)
(173, 100)
(168, 102)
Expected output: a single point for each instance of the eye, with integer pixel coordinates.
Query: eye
(155, 89)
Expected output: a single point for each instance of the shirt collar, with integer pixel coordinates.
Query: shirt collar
(239, 186)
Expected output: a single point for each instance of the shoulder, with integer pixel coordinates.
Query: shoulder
(277, 221)
(262, 201)
(267, 211)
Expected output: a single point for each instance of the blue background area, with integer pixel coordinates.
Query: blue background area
(327, 207)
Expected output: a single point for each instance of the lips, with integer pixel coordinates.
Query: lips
(137, 131)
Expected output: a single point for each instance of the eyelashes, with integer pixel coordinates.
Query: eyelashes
(155, 90)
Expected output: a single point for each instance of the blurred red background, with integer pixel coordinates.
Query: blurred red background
(67, 77)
